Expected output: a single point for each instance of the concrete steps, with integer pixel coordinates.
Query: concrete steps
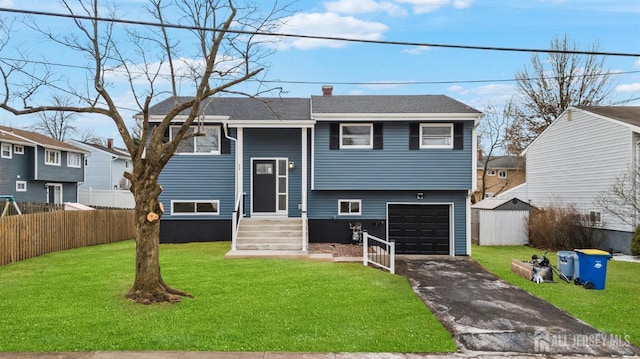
(269, 237)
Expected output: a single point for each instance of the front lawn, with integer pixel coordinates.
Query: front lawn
(74, 301)
(613, 310)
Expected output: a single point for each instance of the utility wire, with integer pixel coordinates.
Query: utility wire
(315, 37)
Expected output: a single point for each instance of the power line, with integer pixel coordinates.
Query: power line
(315, 37)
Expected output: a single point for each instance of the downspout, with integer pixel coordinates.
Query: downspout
(474, 182)
(234, 216)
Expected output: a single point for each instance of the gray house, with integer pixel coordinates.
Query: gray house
(278, 173)
(105, 166)
(37, 168)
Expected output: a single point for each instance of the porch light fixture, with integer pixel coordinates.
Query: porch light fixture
(292, 165)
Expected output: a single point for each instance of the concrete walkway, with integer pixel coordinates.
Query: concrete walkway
(486, 314)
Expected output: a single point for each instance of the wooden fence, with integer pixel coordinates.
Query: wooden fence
(31, 235)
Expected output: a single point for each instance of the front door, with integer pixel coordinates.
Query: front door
(270, 183)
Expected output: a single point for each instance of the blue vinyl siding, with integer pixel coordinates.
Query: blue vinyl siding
(199, 177)
(60, 173)
(324, 205)
(275, 143)
(395, 167)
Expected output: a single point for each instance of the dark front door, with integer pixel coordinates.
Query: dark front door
(420, 229)
(264, 186)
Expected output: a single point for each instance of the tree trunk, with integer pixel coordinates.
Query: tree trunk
(148, 286)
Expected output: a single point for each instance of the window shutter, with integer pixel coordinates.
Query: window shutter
(458, 136)
(414, 136)
(334, 136)
(377, 136)
(225, 144)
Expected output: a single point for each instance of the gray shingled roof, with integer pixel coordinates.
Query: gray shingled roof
(120, 152)
(389, 104)
(244, 108)
(627, 114)
(507, 162)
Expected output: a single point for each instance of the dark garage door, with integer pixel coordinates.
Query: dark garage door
(419, 229)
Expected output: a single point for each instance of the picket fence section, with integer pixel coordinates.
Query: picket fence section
(31, 235)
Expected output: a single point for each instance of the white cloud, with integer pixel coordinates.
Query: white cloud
(418, 50)
(427, 6)
(364, 7)
(634, 87)
(330, 25)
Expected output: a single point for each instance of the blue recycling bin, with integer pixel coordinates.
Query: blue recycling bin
(566, 263)
(593, 268)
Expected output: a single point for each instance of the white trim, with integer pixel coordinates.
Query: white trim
(452, 234)
(55, 185)
(15, 149)
(272, 124)
(428, 125)
(277, 213)
(313, 158)
(348, 147)
(58, 157)
(195, 202)
(414, 117)
(467, 222)
(350, 201)
(18, 189)
(9, 147)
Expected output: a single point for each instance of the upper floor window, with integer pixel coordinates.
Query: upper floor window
(52, 157)
(502, 174)
(356, 135)
(6, 150)
(18, 149)
(206, 143)
(195, 207)
(491, 172)
(74, 160)
(436, 135)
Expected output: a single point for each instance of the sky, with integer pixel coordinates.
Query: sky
(479, 78)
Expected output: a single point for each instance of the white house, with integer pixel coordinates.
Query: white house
(577, 159)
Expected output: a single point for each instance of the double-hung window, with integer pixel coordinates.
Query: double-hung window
(436, 135)
(206, 142)
(52, 157)
(356, 135)
(6, 150)
(74, 160)
(188, 207)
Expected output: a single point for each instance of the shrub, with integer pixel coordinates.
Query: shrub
(558, 228)
(635, 242)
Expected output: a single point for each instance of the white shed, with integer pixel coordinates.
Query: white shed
(502, 221)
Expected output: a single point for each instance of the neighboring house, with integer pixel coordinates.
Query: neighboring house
(401, 166)
(37, 168)
(105, 166)
(503, 173)
(577, 159)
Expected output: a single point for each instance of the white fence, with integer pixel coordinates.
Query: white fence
(106, 198)
(378, 252)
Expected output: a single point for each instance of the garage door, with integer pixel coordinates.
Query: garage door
(419, 229)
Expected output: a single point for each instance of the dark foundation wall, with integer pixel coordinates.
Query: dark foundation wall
(185, 231)
(337, 231)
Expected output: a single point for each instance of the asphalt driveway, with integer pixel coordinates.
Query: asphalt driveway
(487, 314)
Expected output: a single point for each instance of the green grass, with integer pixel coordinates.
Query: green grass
(74, 301)
(613, 310)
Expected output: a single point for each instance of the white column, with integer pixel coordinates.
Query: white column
(305, 240)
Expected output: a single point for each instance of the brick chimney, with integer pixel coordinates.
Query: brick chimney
(480, 155)
(327, 90)
(110, 143)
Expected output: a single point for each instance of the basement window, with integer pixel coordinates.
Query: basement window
(351, 207)
(205, 207)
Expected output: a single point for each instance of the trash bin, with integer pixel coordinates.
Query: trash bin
(566, 263)
(593, 268)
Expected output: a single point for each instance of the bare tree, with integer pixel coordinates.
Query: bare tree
(553, 84)
(491, 133)
(57, 124)
(623, 200)
(216, 54)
